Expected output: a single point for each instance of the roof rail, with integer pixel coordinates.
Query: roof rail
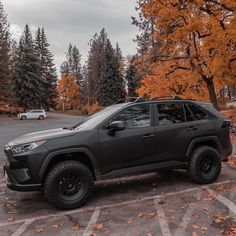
(168, 97)
(130, 99)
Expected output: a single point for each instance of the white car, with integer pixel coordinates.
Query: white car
(32, 114)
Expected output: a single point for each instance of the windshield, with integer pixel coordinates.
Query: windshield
(92, 121)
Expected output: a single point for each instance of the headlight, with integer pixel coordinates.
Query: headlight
(26, 147)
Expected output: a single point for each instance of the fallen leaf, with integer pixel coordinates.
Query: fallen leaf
(39, 230)
(206, 210)
(195, 226)
(55, 226)
(140, 215)
(97, 226)
(75, 228)
(129, 221)
(151, 215)
(204, 228)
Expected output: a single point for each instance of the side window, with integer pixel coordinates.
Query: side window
(137, 116)
(189, 114)
(197, 112)
(170, 113)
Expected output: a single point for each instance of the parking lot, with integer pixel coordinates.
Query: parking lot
(152, 204)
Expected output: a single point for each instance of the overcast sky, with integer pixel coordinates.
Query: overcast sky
(74, 21)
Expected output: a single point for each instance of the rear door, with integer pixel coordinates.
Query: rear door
(133, 146)
(177, 126)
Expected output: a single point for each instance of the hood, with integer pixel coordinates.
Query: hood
(42, 135)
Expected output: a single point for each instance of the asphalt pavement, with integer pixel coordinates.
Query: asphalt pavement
(151, 204)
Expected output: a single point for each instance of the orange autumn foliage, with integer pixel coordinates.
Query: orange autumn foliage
(197, 54)
(68, 92)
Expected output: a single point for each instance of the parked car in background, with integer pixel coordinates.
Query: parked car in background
(33, 114)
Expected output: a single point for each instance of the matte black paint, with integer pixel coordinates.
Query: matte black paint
(126, 152)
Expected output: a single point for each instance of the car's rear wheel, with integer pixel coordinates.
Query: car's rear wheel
(23, 117)
(41, 117)
(204, 165)
(68, 185)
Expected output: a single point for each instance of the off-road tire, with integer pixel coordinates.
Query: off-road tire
(54, 185)
(204, 165)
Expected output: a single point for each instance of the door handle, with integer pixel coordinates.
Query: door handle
(148, 136)
(192, 128)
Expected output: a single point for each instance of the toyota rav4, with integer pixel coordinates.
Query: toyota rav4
(125, 138)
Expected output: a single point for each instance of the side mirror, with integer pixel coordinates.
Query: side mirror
(116, 126)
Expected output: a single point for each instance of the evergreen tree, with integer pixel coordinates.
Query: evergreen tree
(72, 65)
(145, 40)
(5, 46)
(132, 79)
(105, 69)
(28, 83)
(95, 64)
(111, 84)
(48, 73)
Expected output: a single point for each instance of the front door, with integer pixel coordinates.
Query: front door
(133, 146)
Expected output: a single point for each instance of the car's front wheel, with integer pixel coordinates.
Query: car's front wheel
(23, 118)
(204, 165)
(68, 185)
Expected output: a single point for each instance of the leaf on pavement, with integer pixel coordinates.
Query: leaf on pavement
(140, 215)
(11, 219)
(39, 230)
(204, 228)
(151, 215)
(195, 226)
(129, 221)
(194, 234)
(75, 228)
(97, 226)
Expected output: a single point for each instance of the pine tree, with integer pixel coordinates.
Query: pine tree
(76, 65)
(72, 65)
(145, 40)
(105, 69)
(95, 63)
(132, 79)
(48, 68)
(5, 45)
(28, 83)
(111, 84)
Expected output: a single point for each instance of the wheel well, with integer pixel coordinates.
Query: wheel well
(81, 157)
(210, 143)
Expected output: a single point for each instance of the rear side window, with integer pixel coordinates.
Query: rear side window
(198, 113)
(170, 113)
(138, 116)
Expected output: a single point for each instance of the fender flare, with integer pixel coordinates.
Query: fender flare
(203, 139)
(51, 155)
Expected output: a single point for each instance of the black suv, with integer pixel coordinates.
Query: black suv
(126, 138)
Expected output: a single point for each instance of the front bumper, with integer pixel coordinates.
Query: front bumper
(22, 171)
(17, 180)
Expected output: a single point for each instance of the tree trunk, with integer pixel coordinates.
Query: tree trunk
(211, 91)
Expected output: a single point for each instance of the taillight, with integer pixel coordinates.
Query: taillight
(226, 124)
